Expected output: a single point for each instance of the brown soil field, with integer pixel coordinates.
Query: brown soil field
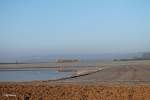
(74, 92)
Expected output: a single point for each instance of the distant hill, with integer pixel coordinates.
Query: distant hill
(145, 56)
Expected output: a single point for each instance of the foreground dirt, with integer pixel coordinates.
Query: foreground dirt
(74, 92)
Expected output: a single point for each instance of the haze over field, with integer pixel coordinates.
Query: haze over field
(73, 27)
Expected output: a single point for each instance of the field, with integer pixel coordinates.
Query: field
(74, 92)
(113, 81)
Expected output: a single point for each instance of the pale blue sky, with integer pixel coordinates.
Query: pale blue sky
(74, 26)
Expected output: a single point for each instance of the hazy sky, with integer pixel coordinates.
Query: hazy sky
(89, 26)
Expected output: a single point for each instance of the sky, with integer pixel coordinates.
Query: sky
(74, 26)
